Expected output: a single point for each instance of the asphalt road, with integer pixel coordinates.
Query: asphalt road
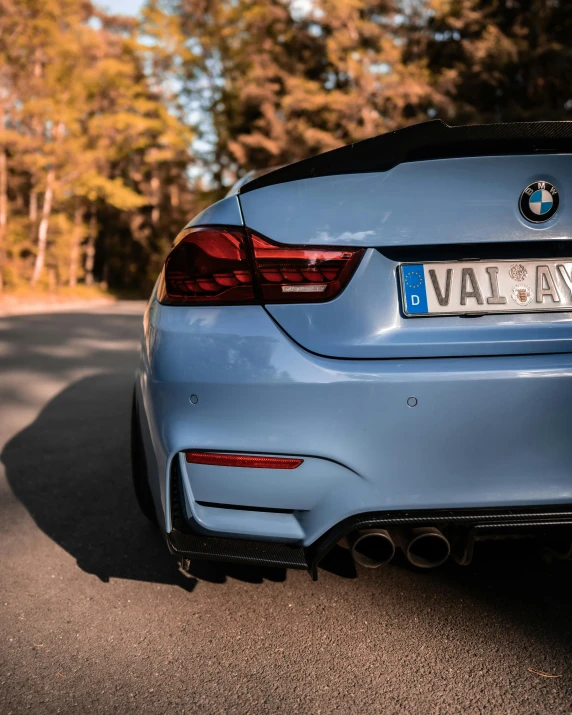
(96, 618)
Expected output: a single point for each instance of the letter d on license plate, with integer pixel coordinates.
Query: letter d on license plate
(462, 287)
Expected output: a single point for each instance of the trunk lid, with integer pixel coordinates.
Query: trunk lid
(441, 209)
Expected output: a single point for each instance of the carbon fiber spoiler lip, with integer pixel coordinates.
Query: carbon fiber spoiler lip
(421, 142)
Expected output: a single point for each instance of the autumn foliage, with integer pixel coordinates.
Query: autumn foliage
(114, 131)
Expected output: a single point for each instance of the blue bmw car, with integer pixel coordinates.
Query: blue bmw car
(371, 347)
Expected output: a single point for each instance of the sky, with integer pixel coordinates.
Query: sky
(122, 7)
(131, 7)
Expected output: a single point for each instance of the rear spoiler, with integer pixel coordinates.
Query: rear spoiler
(420, 142)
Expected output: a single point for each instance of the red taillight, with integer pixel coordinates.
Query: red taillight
(208, 265)
(302, 274)
(217, 266)
(242, 460)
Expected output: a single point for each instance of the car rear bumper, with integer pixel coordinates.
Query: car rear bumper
(485, 432)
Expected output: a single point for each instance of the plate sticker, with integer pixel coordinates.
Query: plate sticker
(414, 287)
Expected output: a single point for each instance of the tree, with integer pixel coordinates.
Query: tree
(90, 137)
(273, 84)
(500, 60)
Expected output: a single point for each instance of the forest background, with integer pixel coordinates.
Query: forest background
(116, 130)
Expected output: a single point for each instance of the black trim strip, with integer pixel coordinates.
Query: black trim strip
(494, 251)
(238, 507)
(421, 142)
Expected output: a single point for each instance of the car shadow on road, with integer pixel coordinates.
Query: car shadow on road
(71, 470)
(517, 589)
(524, 579)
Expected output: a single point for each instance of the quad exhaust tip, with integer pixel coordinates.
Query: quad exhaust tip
(371, 547)
(427, 548)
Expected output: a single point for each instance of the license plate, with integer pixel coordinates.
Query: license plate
(469, 287)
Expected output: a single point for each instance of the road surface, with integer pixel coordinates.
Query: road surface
(96, 618)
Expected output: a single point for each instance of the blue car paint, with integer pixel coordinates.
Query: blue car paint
(491, 425)
(366, 321)
(445, 201)
(486, 431)
(298, 489)
(244, 522)
(225, 212)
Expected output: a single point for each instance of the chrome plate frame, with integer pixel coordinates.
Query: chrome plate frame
(517, 281)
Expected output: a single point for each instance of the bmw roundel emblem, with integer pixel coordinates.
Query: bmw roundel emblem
(539, 201)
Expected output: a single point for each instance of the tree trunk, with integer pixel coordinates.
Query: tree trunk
(175, 195)
(33, 208)
(90, 249)
(52, 280)
(76, 241)
(46, 213)
(43, 228)
(155, 197)
(3, 197)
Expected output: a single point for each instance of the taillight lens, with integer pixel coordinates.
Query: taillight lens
(218, 266)
(302, 274)
(208, 265)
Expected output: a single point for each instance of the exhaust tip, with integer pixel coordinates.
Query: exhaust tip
(371, 547)
(428, 548)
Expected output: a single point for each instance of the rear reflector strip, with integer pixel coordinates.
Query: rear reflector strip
(242, 460)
